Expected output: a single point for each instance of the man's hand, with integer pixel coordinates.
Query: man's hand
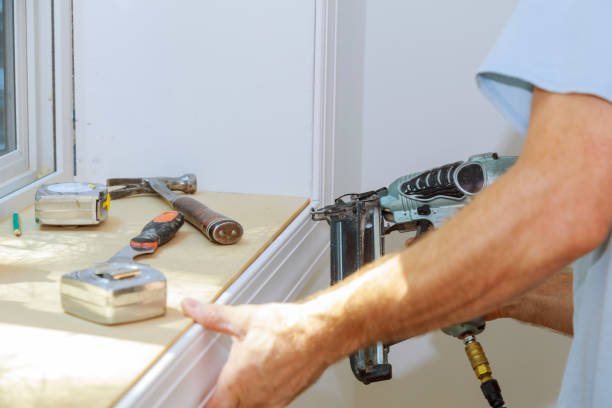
(274, 355)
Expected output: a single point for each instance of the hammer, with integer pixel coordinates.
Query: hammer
(216, 227)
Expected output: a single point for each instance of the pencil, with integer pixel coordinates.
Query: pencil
(16, 226)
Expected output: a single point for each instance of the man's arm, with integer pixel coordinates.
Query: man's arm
(550, 208)
(548, 305)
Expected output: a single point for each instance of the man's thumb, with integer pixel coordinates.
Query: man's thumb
(220, 318)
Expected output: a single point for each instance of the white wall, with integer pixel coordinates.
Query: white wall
(220, 88)
(421, 104)
(407, 101)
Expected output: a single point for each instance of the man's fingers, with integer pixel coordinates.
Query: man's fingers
(220, 318)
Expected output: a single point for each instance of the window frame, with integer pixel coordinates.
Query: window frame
(15, 162)
(44, 95)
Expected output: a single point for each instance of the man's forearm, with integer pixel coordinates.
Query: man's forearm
(472, 265)
(488, 253)
(548, 305)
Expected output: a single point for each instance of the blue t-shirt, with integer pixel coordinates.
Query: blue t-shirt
(564, 46)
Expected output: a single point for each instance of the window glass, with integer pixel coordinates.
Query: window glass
(8, 140)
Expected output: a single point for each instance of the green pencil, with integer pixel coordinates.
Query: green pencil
(16, 226)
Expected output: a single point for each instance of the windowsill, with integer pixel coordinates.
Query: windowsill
(82, 363)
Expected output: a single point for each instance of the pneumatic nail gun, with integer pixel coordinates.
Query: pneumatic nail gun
(412, 203)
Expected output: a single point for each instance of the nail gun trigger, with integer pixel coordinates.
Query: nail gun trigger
(404, 227)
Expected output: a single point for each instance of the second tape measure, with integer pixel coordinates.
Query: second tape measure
(71, 204)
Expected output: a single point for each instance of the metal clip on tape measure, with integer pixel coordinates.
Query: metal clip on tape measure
(71, 204)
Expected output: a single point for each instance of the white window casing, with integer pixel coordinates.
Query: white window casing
(43, 102)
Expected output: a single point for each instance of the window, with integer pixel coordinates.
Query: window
(35, 97)
(8, 140)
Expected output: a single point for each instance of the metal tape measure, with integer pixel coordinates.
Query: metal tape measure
(71, 204)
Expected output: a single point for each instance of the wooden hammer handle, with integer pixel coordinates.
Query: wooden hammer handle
(215, 226)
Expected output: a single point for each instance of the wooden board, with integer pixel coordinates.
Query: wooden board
(49, 358)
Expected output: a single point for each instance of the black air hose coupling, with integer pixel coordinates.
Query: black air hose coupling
(492, 393)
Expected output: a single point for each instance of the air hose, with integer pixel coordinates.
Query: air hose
(489, 386)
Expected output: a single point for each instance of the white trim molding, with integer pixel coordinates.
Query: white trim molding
(324, 103)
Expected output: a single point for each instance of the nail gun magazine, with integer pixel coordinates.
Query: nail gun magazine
(412, 203)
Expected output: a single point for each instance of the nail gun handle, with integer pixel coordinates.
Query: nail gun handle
(159, 231)
(216, 227)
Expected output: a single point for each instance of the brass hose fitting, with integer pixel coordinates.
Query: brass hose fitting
(478, 359)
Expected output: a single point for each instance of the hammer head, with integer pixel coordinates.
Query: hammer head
(186, 183)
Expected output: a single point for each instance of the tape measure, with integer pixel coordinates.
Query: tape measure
(71, 204)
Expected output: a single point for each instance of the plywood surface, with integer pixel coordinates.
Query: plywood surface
(49, 358)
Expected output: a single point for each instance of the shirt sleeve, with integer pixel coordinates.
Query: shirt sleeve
(562, 46)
